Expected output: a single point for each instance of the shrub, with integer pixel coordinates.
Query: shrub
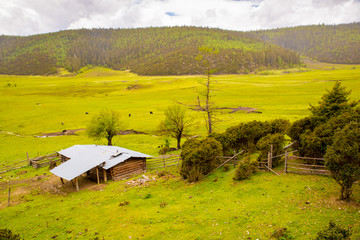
(226, 168)
(245, 169)
(246, 135)
(334, 232)
(342, 158)
(199, 158)
(315, 133)
(282, 234)
(6, 234)
(278, 142)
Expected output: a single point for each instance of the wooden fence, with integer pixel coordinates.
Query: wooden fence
(35, 162)
(163, 162)
(13, 166)
(305, 165)
(44, 160)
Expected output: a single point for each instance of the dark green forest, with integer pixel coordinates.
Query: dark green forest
(147, 51)
(325, 43)
(173, 50)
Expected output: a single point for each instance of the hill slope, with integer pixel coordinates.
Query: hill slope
(149, 51)
(325, 43)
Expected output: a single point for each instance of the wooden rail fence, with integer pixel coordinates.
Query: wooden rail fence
(301, 165)
(35, 162)
(163, 162)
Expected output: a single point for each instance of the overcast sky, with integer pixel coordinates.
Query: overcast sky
(27, 17)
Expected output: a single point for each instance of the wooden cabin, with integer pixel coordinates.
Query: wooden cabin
(101, 163)
(123, 170)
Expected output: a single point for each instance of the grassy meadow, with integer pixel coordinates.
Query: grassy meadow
(168, 208)
(33, 105)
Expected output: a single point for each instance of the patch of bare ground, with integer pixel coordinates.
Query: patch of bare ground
(244, 109)
(233, 110)
(64, 132)
(23, 190)
(131, 131)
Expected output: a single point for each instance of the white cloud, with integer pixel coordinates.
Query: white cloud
(24, 17)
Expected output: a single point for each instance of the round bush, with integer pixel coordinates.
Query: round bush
(199, 157)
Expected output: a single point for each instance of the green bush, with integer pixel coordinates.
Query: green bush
(334, 232)
(199, 157)
(245, 169)
(245, 135)
(6, 234)
(282, 234)
(278, 142)
(342, 158)
(315, 133)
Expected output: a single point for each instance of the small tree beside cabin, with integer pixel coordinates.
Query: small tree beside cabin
(106, 124)
(175, 124)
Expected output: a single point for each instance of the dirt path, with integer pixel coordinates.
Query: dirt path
(24, 189)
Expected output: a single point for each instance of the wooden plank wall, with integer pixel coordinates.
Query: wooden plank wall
(130, 167)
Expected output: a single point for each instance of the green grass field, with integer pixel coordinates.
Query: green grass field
(32, 105)
(216, 208)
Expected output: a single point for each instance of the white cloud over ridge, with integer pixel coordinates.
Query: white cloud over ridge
(27, 17)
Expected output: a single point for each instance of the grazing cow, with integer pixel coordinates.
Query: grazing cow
(129, 114)
(64, 131)
(151, 112)
(62, 123)
(86, 113)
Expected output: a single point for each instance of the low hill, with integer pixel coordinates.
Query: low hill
(148, 51)
(325, 43)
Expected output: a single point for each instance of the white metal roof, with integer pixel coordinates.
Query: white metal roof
(85, 157)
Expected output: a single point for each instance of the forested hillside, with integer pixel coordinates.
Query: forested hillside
(148, 51)
(326, 43)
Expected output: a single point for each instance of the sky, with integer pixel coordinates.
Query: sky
(29, 17)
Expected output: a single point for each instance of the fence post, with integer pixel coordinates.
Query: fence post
(9, 197)
(234, 159)
(286, 158)
(27, 155)
(269, 160)
(164, 161)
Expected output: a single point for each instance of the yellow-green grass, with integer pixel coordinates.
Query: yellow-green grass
(215, 208)
(32, 105)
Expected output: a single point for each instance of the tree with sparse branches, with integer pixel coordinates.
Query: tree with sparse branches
(106, 124)
(175, 124)
(205, 59)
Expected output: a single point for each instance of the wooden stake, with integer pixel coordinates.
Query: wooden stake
(62, 181)
(286, 157)
(105, 177)
(9, 197)
(234, 159)
(27, 155)
(272, 171)
(97, 175)
(77, 184)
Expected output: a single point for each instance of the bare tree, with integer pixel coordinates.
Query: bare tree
(205, 58)
(175, 124)
(106, 124)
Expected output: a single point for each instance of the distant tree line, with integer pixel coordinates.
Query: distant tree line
(147, 51)
(325, 43)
